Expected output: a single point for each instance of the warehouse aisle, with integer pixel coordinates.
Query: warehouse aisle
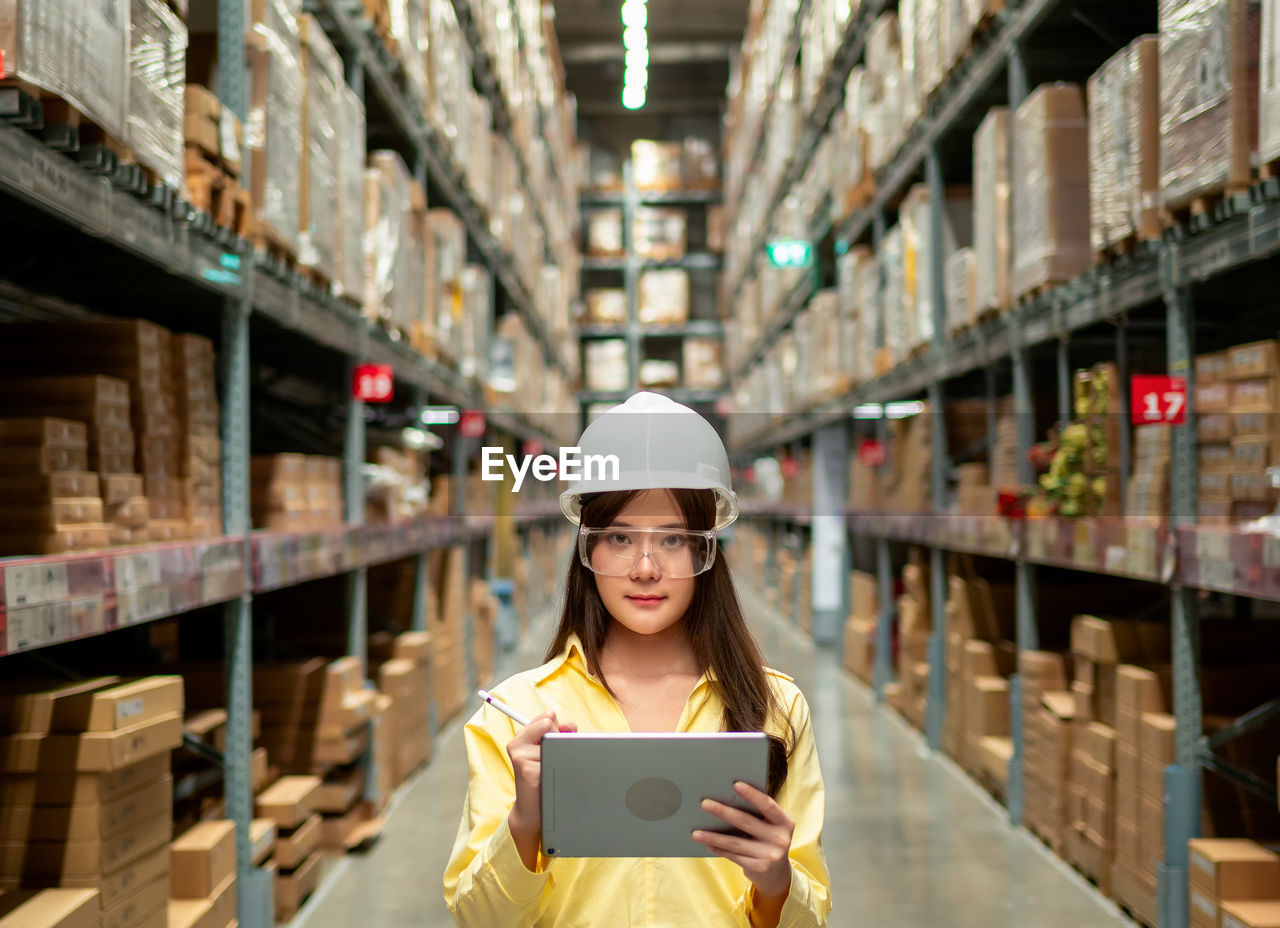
(909, 840)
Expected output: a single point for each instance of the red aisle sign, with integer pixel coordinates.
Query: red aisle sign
(471, 425)
(872, 453)
(1157, 399)
(373, 383)
(532, 448)
(790, 468)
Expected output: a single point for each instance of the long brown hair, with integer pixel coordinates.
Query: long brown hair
(715, 626)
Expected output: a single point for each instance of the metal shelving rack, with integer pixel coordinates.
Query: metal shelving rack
(631, 266)
(45, 601)
(1180, 555)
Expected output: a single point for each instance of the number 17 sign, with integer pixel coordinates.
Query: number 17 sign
(1157, 399)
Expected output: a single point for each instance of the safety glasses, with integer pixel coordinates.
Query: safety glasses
(676, 553)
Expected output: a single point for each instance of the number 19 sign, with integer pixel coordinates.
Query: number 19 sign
(1157, 399)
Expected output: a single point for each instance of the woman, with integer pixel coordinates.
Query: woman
(652, 638)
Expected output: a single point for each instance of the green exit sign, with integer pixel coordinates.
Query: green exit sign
(788, 254)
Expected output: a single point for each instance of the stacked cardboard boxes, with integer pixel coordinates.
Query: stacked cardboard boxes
(48, 502)
(320, 177)
(404, 672)
(1149, 487)
(291, 804)
(446, 264)
(395, 244)
(274, 127)
(1099, 648)
(51, 908)
(915, 627)
(860, 629)
(86, 797)
(1233, 883)
(1049, 733)
(448, 574)
(1050, 188)
(1236, 401)
(992, 213)
(139, 353)
(200, 463)
(296, 492)
(484, 619)
(202, 885)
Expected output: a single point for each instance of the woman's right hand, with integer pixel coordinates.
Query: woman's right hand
(525, 751)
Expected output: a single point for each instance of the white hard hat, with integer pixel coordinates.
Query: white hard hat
(660, 445)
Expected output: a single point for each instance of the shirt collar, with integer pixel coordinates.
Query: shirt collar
(574, 654)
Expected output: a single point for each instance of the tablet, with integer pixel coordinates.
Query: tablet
(640, 794)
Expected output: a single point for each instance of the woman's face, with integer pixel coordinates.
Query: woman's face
(646, 602)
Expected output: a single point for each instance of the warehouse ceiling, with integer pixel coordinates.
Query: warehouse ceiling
(691, 43)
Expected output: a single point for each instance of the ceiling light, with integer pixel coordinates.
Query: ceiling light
(633, 96)
(636, 77)
(637, 58)
(634, 37)
(635, 13)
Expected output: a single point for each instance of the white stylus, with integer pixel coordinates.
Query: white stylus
(502, 707)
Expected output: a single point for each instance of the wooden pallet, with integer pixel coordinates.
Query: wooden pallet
(212, 190)
(268, 243)
(1202, 211)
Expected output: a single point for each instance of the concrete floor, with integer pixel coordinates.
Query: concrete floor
(910, 841)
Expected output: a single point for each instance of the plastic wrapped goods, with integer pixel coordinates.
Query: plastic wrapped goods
(893, 301)
(1208, 78)
(446, 262)
(957, 30)
(701, 165)
(657, 166)
(394, 243)
(74, 50)
(477, 321)
(957, 231)
(1124, 146)
(1269, 91)
(962, 307)
(319, 228)
(664, 297)
(929, 47)
(273, 133)
(871, 331)
(1050, 188)
(659, 234)
(606, 306)
(604, 234)
(351, 166)
(157, 80)
(991, 212)
(606, 364)
(703, 366)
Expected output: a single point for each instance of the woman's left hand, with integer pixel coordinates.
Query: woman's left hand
(764, 856)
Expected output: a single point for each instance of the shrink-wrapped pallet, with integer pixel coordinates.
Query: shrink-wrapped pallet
(930, 56)
(1269, 89)
(449, 71)
(893, 299)
(273, 132)
(910, 71)
(477, 321)
(76, 51)
(351, 167)
(394, 244)
(854, 161)
(157, 82)
(957, 29)
(962, 303)
(1208, 82)
(446, 262)
(992, 212)
(981, 10)
(871, 327)
(606, 367)
(918, 257)
(1050, 188)
(320, 179)
(1124, 146)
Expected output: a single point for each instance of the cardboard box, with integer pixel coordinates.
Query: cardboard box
(88, 822)
(136, 908)
(38, 860)
(293, 887)
(262, 839)
(50, 908)
(216, 911)
(1251, 914)
(80, 789)
(293, 848)
(1254, 360)
(290, 801)
(94, 752)
(1233, 869)
(1159, 737)
(202, 859)
(28, 706)
(118, 707)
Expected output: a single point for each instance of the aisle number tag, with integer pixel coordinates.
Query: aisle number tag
(1158, 399)
(374, 383)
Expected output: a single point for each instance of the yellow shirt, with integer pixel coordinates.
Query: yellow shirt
(487, 885)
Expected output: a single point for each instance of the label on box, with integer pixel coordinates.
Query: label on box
(127, 710)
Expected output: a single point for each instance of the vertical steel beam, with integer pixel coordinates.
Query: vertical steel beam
(421, 562)
(353, 455)
(1182, 808)
(937, 269)
(1064, 382)
(884, 576)
(830, 564)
